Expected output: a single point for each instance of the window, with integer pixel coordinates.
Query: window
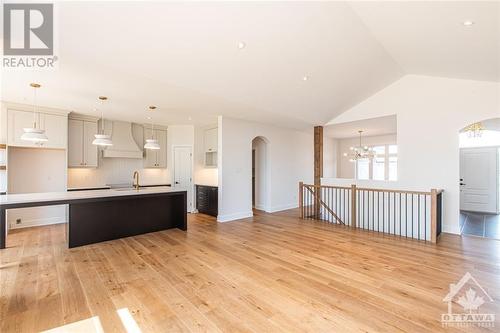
(384, 166)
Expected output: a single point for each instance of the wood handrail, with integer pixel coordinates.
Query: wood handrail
(325, 206)
(353, 201)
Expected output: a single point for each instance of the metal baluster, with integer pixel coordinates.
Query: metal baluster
(406, 215)
(425, 216)
(412, 215)
(418, 220)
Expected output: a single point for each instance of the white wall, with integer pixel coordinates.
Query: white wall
(330, 157)
(34, 170)
(430, 112)
(345, 169)
(116, 171)
(290, 161)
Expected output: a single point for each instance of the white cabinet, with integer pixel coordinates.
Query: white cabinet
(210, 143)
(211, 140)
(55, 127)
(156, 158)
(81, 152)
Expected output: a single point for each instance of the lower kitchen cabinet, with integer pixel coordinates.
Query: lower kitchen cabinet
(207, 200)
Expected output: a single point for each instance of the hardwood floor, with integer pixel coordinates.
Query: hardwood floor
(270, 273)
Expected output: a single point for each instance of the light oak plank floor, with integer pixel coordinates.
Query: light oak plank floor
(269, 273)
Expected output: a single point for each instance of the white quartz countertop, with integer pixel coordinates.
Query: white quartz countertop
(26, 198)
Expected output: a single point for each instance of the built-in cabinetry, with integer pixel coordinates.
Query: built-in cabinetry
(55, 126)
(207, 199)
(210, 144)
(156, 158)
(81, 152)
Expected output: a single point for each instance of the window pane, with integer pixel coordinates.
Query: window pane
(393, 149)
(379, 168)
(379, 150)
(363, 169)
(393, 168)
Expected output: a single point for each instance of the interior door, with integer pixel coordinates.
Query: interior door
(479, 179)
(183, 164)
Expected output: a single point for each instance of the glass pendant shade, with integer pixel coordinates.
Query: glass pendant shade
(34, 135)
(102, 140)
(360, 152)
(152, 144)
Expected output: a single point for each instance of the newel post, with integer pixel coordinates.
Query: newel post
(301, 199)
(434, 215)
(353, 206)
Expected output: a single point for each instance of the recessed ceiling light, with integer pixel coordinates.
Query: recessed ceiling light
(305, 78)
(189, 118)
(468, 23)
(241, 45)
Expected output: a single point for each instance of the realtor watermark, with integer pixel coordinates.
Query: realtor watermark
(28, 36)
(469, 294)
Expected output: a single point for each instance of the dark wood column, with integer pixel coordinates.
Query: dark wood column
(318, 167)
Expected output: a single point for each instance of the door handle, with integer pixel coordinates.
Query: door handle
(177, 182)
(462, 184)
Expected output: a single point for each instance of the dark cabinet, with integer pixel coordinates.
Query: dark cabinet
(207, 199)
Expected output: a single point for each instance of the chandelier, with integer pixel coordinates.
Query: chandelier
(474, 130)
(360, 152)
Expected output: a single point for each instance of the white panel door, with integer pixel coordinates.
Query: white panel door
(479, 179)
(183, 172)
(75, 143)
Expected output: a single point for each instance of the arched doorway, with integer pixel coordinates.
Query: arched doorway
(260, 173)
(480, 179)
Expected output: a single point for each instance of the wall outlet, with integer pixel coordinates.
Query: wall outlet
(18, 221)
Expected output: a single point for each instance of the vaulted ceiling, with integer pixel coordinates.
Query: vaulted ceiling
(302, 62)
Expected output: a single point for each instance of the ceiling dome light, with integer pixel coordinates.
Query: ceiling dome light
(305, 78)
(34, 134)
(468, 23)
(241, 45)
(102, 139)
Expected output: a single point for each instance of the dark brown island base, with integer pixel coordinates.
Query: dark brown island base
(97, 216)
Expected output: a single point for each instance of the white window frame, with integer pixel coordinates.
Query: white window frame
(386, 156)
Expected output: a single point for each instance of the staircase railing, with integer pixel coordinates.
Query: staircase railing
(411, 214)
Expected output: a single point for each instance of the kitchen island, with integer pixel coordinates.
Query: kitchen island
(97, 216)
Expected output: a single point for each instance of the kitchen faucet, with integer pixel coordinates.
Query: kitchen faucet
(136, 180)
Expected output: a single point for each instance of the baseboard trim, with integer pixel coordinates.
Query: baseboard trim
(235, 216)
(283, 207)
(37, 222)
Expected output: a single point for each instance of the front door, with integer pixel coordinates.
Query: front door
(479, 179)
(183, 172)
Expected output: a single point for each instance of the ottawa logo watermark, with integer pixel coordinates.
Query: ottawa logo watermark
(469, 294)
(28, 36)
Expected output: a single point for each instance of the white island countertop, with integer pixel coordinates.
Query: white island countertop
(47, 197)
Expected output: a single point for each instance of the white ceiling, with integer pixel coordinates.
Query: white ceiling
(370, 127)
(184, 57)
(429, 38)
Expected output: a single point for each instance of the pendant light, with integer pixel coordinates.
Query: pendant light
(152, 143)
(34, 134)
(360, 152)
(102, 139)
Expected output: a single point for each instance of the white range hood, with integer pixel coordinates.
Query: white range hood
(124, 144)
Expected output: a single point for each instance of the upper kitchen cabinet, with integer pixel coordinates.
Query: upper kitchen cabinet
(55, 126)
(81, 152)
(156, 158)
(210, 142)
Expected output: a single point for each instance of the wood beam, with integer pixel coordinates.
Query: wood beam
(318, 167)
